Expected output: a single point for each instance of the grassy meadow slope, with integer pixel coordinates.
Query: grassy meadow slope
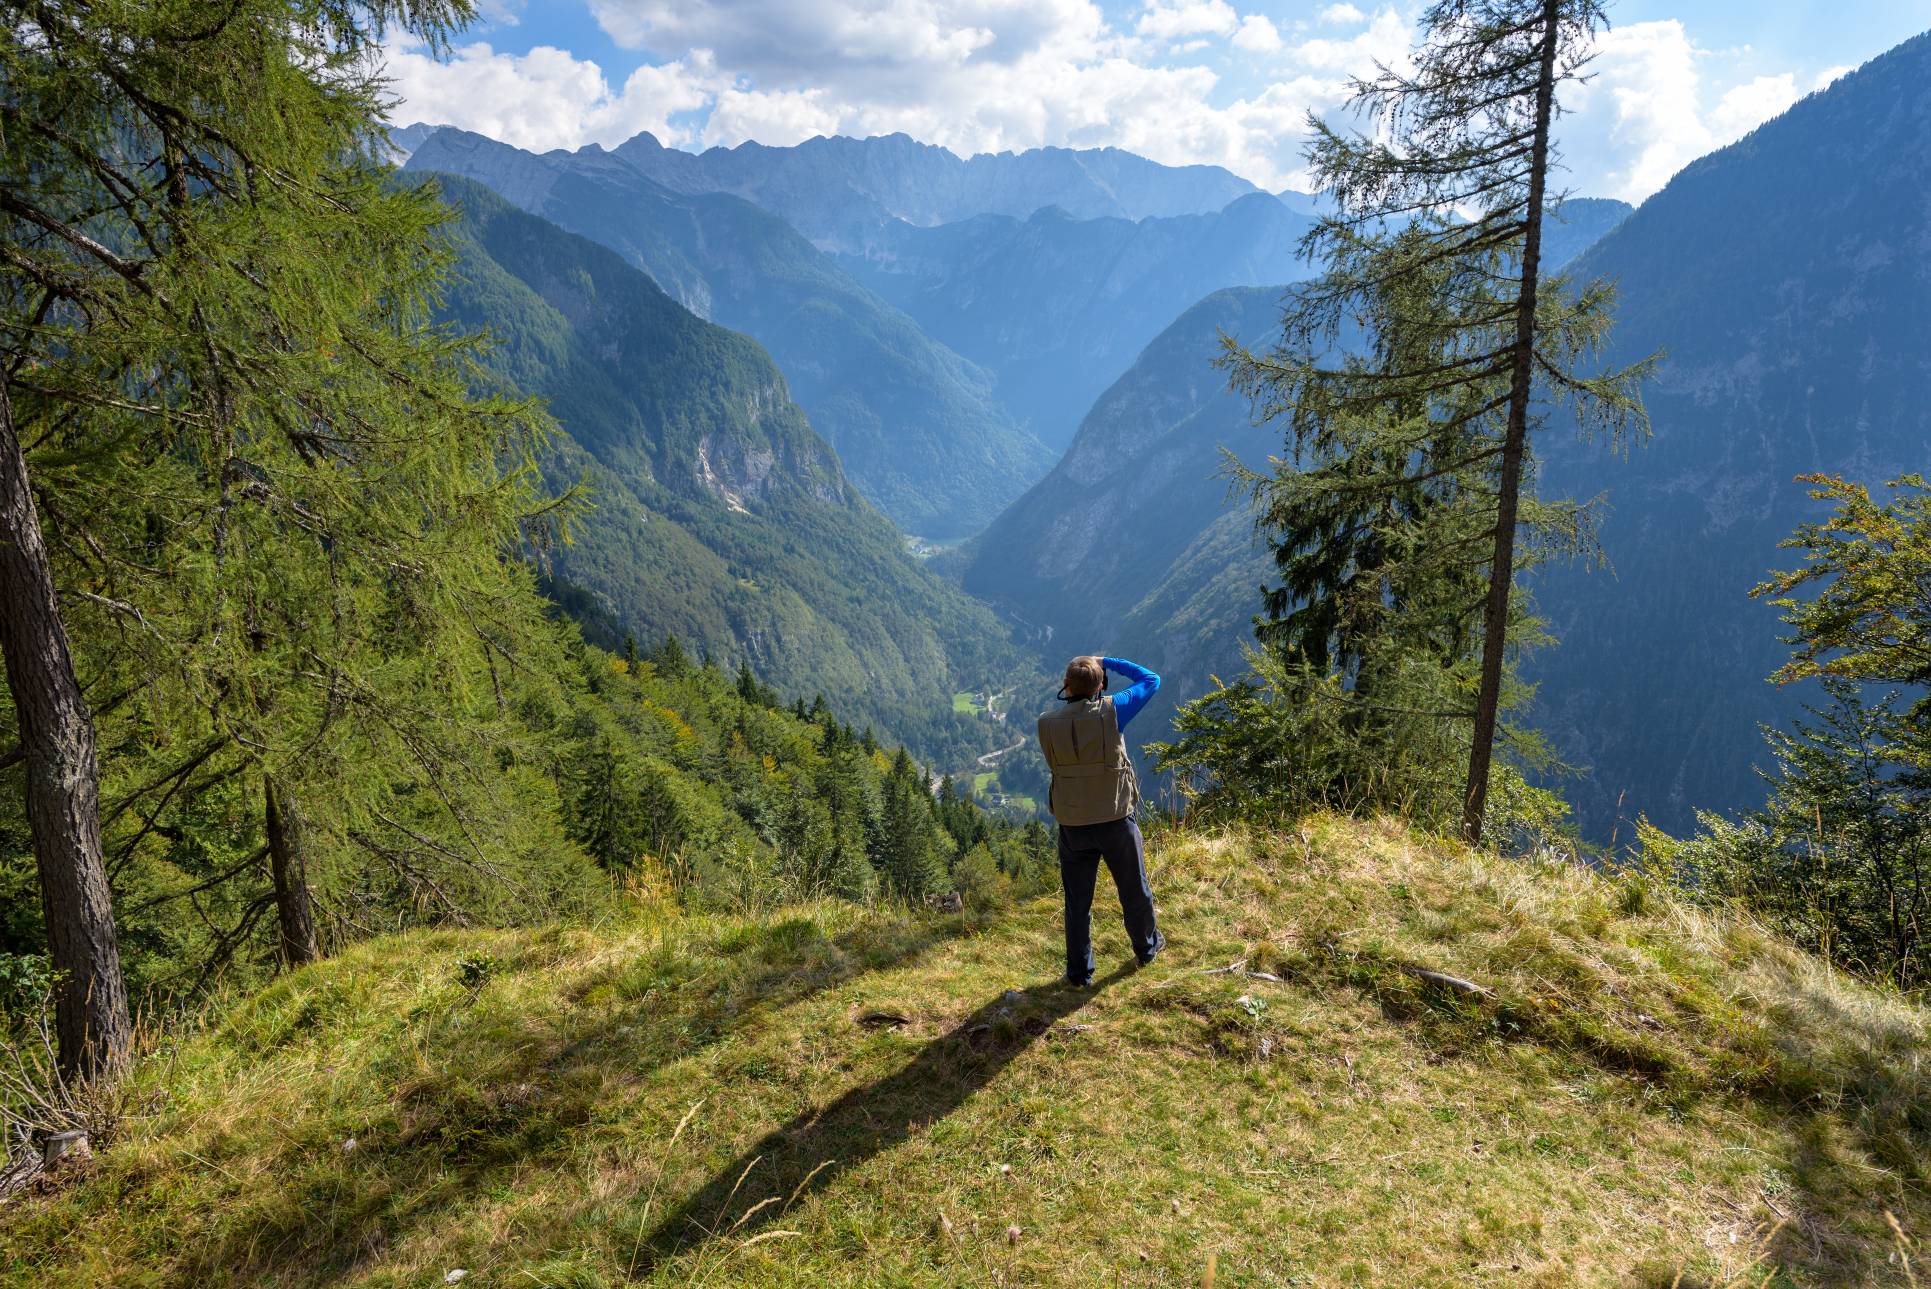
(820, 1095)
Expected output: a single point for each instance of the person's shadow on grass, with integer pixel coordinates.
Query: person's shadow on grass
(805, 1155)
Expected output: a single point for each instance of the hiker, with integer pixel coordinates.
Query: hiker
(1093, 796)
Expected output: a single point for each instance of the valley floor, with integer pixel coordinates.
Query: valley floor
(1648, 1096)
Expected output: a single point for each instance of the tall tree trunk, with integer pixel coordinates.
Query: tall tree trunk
(1495, 624)
(286, 862)
(63, 785)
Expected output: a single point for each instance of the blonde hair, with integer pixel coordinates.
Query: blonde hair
(1085, 676)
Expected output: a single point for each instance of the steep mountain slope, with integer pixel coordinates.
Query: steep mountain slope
(1132, 544)
(840, 192)
(720, 515)
(1650, 1096)
(915, 425)
(1579, 224)
(1058, 307)
(1788, 278)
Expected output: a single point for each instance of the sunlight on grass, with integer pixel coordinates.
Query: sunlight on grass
(834, 1096)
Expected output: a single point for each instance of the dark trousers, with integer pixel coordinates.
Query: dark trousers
(1081, 850)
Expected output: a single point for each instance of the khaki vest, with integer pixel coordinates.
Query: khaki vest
(1093, 779)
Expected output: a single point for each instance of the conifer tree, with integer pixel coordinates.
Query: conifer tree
(1423, 436)
(259, 471)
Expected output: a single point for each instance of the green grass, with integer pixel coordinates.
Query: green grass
(1650, 1092)
(985, 781)
(966, 703)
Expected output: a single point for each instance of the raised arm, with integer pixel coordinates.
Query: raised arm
(1128, 702)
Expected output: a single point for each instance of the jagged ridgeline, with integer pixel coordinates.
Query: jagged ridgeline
(719, 515)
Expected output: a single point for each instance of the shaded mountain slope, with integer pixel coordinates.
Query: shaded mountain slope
(1788, 279)
(916, 426)
(1132, 545)
(1650, 1096)
(720, 515)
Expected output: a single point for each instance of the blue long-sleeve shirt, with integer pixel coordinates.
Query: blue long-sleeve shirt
(1128, 702)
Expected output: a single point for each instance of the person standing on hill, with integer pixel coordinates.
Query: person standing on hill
(1093, 797)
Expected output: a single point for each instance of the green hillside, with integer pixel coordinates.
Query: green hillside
(1649, 1095)
(719, 514)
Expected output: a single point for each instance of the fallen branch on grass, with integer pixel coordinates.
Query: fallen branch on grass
(1447, 981)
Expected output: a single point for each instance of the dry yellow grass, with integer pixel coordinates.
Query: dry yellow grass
(1647, 1095)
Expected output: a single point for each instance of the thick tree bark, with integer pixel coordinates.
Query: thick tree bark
(285, 861)
(1495, 625)
(63, 785)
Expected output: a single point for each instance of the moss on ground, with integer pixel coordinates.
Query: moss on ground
(1647, 1095)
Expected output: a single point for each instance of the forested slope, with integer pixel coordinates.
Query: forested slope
(1785, 280)
(718, 514)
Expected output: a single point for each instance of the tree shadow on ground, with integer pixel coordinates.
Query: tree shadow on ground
(452, 1134)
(815, 1148)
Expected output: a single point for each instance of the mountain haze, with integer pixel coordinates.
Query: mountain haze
(840, 191)
(916, 426)
(1057, 307)
(1132, 544)
(719, 514)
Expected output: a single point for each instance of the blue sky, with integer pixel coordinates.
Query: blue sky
(1225, 82)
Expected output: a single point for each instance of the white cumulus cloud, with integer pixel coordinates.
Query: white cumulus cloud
(1257, 34)
(1187, 18)
(1174, 80)
(1650, 110)
(547, 98)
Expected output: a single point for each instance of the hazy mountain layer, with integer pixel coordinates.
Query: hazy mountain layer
(841, 192)
(917, 426)
(720, 514)
(1133, 543)
(1057, 307)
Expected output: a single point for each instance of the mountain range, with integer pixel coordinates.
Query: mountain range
(840, 192)
(916, 426)
(1794, 341)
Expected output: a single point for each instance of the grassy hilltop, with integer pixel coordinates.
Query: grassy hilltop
(1649, 1095)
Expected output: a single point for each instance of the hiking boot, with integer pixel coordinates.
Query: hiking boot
(1078, 982)
(1159, 943)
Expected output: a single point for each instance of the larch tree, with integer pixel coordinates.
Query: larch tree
(235, 455)
(1416, 369)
